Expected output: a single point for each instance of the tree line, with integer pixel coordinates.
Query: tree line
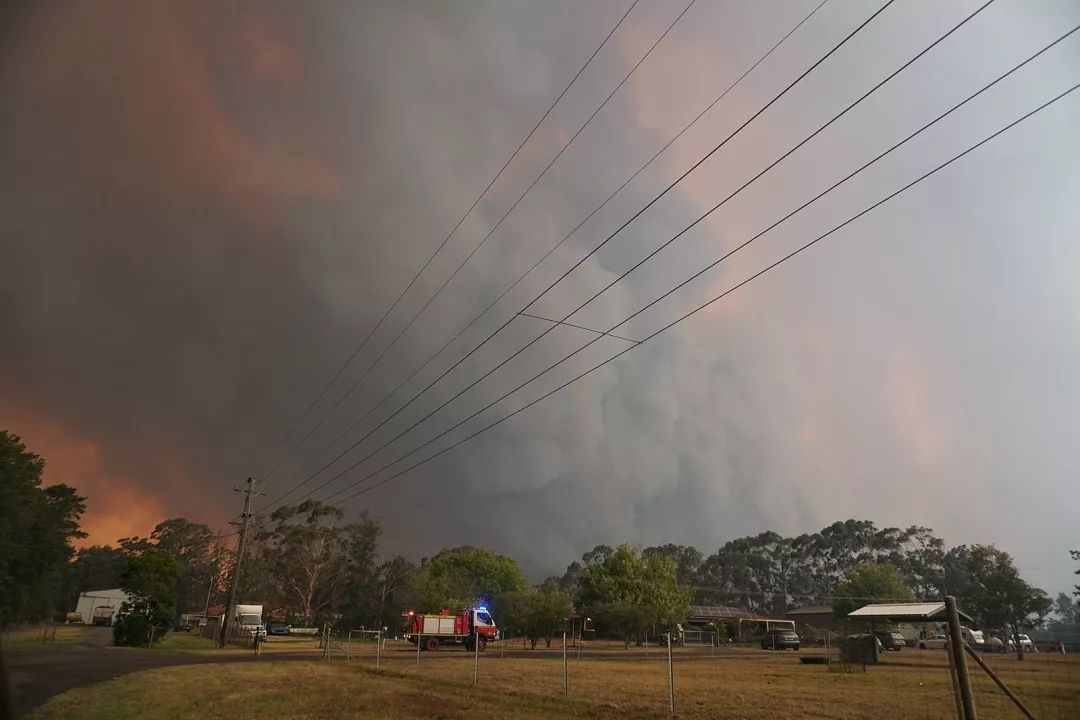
(317, 565)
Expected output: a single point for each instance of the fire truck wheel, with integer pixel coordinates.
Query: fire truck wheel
(431, 644)
(483, 644)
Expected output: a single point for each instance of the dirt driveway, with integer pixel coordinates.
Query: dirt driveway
(38, 673)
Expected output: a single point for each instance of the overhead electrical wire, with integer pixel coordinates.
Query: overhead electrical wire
(665, 244)
(715, 299)
(767, 168)
(431, 358)
(637, 214)
(728, 254)
(484, 240)
(491, 232)
(431, 258)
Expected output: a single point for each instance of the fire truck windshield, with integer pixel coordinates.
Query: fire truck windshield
(484, 618)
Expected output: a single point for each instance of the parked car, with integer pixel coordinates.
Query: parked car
(996, 644)
(937, 641)
(891, 640)
(972, 637)
(780, 640)
(1025, 643)
(277, 627)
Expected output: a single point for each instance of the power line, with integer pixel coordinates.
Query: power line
(661, 247)
(776, 162)
(654, 252)
(578, 327)
(691, 225)
(683, 317)
(484, 240)
(430, 259)
(772, 593)
(558, 245)
(574, 267)
(488, 236)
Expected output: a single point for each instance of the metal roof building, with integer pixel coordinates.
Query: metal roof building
(104, 602)
(740, 622)
(818, 617)
(905, 612)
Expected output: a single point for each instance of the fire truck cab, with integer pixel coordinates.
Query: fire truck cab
(472, 628)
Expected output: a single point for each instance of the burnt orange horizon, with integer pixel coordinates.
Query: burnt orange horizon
(115, 508)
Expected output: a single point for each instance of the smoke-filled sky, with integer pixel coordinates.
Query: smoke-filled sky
(204, 208)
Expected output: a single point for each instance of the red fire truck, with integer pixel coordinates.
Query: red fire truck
(464, 628)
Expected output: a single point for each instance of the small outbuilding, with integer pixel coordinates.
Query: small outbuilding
(99, 607)
(814, 617)
(740, 624)
(917, 612)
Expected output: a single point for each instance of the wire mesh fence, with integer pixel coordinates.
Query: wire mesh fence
(849, 670)
(829, 676)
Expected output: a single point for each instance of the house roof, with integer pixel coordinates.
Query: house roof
(811, 610)
(719, 612)
(905, 612)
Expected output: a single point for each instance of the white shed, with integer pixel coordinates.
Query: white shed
(94, 599)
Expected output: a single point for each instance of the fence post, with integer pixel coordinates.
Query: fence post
(419, 639)
(955, 686)
(670, 676)
(565, 671)
(956, 649)
(378, 648)
(1001, 684)
(476, 656)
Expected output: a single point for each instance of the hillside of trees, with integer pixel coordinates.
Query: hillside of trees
(321, 565)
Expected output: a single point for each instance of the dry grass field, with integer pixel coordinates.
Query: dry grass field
(742, 684)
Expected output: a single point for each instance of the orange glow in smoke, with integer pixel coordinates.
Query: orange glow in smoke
(115, 508)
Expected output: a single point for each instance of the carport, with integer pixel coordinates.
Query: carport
(924, 612)
(737, 620)
(905, 612)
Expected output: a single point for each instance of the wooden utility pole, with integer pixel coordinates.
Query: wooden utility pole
(956, 648)
(670, 676)
(249, 492)
(210, 586)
